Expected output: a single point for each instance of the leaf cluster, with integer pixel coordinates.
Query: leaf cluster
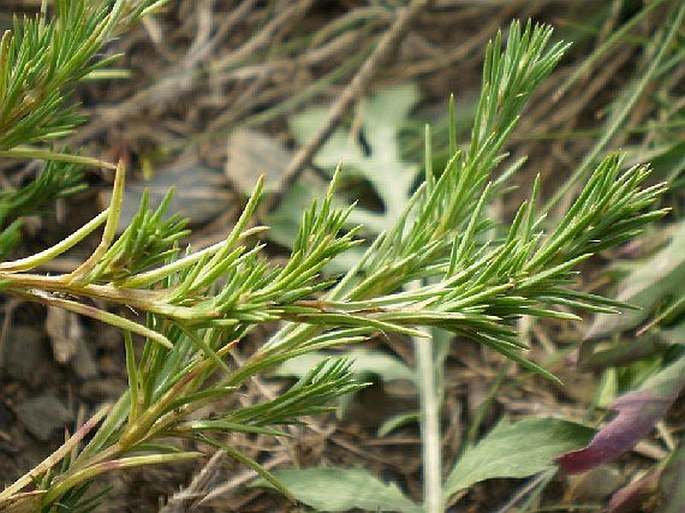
(41, 61)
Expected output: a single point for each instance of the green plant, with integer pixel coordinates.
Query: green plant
(382, 138)
(41, 61)
(194, 307)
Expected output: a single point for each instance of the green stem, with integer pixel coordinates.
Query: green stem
(429, 398)
(25, 264)
(97, 314)
(79, 275)
(89, 473)
(27, 152)
(145, 300)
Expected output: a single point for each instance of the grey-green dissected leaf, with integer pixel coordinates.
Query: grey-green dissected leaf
(657, 279)
(336, 489)
(391, 178)
(515, 450)
(383, 365)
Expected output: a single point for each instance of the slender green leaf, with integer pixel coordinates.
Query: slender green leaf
(515, 450)
(336, 489)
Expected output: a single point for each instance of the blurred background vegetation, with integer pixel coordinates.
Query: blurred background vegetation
(210, 94)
